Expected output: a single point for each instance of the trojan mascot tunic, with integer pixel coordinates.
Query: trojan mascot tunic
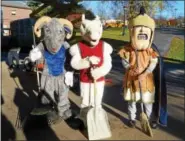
(140, 60)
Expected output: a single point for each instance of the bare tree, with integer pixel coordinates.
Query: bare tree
(180, 20)
(102, 11)
(133, 6)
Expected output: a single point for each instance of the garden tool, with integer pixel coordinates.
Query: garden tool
(145, 125)
(97, 121)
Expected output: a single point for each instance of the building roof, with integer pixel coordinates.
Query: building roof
(18, 4)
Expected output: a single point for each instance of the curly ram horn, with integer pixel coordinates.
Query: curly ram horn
(69, 25)
(39, 23)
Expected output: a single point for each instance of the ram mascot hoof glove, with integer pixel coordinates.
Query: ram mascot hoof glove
(92, 57)
(55, 80)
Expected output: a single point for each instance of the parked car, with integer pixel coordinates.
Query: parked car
(22, 30)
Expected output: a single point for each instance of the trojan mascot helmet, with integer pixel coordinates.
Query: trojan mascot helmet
(141, 30)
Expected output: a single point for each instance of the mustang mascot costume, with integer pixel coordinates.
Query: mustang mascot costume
(91, 53)
(55, 80)
(142, 61)
(92, 57)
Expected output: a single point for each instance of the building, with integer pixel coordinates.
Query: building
(114, 23)
(11, 11)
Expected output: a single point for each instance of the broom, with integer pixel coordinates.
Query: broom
(145, 125)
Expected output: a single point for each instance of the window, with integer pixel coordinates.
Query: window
(13, 12)
(5, 31)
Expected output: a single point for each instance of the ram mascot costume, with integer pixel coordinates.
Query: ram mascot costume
(92, 57)
(55, 80)
(141, 60)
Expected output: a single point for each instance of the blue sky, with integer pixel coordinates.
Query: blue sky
(179, 5)
(179, 12)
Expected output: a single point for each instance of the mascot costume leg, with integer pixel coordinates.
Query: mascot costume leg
(92, 58)
(55, 80)
(141, 59)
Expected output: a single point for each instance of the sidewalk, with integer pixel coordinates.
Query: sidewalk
(18, 94)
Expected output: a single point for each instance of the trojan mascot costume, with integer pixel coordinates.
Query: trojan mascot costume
(55, 80)
(142, 61)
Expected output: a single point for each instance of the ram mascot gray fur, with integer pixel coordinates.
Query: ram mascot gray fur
(55, 80)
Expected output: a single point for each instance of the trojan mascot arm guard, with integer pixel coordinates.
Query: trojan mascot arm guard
(140, 60)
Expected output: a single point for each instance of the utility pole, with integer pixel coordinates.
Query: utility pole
(175, 16)
(124, 7)
(175, 12)
(124, 26)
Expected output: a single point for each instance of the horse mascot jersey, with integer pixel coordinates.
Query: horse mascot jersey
(55, 80)
(140, 60)
(92, 57)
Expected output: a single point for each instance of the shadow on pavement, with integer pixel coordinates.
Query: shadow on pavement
(175, 127)
(8, 131)
(174, 31)
(175, 81)
(76, 110)
(34, 127)
(175, 78)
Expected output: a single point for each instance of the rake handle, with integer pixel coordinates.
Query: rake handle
(95, 89)
(142, 107)
(38, 78)
(140, 91)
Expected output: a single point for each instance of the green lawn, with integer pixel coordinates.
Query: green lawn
(116, 33)
(113, 37)
(113, 33)
(176, 50)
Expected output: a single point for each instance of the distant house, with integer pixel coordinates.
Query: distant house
(11, 11)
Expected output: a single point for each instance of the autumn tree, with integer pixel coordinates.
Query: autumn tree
(55, 8)
(133, 6)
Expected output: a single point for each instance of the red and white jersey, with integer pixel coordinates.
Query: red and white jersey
(87, 51)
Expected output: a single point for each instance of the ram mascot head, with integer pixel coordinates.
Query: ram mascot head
(91, 30)
(53, 31)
